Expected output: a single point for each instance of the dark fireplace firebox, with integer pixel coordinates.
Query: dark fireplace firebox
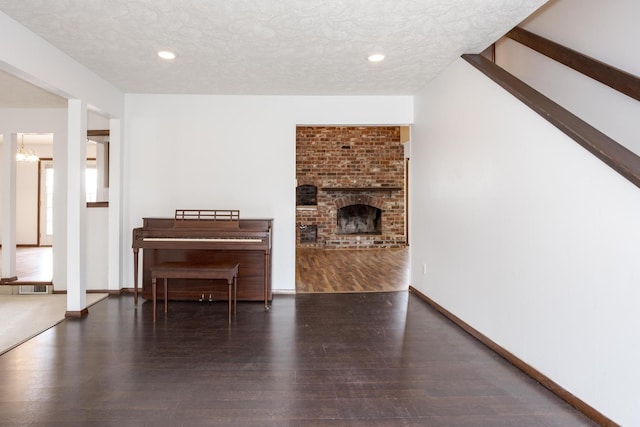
(359, 219)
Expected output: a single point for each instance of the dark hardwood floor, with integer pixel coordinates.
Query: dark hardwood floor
(361, 359)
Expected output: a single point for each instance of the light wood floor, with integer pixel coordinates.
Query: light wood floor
(317, 270)
(33, 264)
(25, 316)
(358, 270)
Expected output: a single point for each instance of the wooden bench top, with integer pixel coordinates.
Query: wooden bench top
(183, 270)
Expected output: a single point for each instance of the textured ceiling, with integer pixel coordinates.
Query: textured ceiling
(271, 47)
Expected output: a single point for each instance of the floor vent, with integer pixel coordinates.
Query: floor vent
(33, 289)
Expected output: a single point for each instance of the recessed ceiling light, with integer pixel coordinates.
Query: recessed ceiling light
(376, 57)
(165, 54)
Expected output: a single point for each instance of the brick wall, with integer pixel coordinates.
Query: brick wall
(369, 161)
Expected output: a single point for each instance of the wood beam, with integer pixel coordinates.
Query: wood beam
(606, 74)
(98, 132)
(621, 159)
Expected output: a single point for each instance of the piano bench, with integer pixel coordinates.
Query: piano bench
(179, 270)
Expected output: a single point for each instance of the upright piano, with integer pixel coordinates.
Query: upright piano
(206, 237)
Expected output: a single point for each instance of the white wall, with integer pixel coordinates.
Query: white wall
(46, 120)
(528, 238)
(525, 235)
(606, 31)
(27, 203)
(96, 246)
(230, 152)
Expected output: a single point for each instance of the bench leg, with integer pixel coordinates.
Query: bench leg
(166, 296)
(154, 297)
(229, 302)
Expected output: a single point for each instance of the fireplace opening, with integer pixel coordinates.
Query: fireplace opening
(359, 219)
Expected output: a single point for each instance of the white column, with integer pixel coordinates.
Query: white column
(9, 146)
(76, 208)
(102, 169)
(114, 236)
(60, 208)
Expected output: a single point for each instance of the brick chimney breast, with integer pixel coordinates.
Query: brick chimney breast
(352, 166)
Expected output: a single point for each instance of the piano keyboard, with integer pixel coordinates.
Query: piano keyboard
(203, 239)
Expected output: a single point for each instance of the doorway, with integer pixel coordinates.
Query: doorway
(351, 166)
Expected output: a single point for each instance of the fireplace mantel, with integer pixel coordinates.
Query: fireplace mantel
(358, 189)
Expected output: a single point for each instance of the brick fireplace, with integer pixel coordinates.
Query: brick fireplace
(350, 190)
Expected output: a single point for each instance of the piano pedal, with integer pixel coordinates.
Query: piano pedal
(201, 298)
(210, 298)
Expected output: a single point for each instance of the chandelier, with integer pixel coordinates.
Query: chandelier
(24, 155)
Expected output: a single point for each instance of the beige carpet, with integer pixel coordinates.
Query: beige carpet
(24, 316)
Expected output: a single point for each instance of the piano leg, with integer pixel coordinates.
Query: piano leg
(135, 276)
(166, 296)
(153, 292)
(229, 298)
(266, 281)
